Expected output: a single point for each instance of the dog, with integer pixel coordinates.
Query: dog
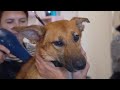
(57, 42)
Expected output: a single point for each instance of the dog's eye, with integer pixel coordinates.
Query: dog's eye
(76, 37)
(58, 43)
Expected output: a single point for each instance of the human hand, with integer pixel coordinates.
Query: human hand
(48, 70)
(3, 52)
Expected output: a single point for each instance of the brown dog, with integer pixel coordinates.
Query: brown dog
(57, 42)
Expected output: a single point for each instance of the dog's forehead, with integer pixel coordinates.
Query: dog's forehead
(62, 26)
(60, 29)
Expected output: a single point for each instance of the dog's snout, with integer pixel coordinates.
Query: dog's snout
(79, 64)
(76, 64)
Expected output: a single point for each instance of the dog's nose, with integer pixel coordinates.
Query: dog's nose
(79, 64)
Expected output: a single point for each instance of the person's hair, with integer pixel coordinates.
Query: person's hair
(1, 13)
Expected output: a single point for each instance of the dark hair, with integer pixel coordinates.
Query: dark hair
(1, 12)
(118, 28)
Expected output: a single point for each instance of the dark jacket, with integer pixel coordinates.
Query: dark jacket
(9, 69)
(115, 54)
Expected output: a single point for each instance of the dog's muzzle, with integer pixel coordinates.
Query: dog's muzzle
(72, 67)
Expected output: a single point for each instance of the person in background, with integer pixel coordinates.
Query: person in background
(115, 47)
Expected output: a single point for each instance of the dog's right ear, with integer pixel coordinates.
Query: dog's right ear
(34, 32)
(79, 22)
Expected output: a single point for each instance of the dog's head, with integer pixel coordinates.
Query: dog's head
(59, 42)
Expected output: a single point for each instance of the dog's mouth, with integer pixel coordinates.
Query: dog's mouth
(57, 64)
(70, 68)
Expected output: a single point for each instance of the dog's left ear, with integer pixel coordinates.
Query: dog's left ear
(79, 22)
(34, 32)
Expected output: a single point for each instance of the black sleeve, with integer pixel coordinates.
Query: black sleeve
(115, 55)
(9, 69)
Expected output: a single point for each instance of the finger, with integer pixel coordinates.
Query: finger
(83, 52)
(42, 68)
(41, 60)
(87, 66)
(4, 49)
(41, 64)
(85, 71)
(2, 56)
(38, 61)
(12, 56)
(47, 64)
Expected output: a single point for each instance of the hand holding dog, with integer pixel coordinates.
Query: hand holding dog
(3, 52)
(48, 70)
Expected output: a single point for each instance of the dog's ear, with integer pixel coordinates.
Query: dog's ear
(79, 22)
(34, 32)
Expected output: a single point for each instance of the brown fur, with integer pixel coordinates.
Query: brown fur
(45, 36)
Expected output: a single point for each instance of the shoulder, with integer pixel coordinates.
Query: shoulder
(115, 44)
(116, 40)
